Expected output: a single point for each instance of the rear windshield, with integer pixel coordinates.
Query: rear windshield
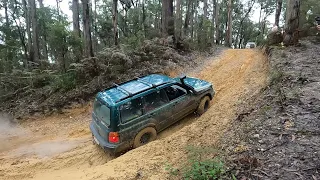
(102, 112)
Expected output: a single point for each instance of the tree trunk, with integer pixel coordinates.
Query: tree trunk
(115, 22)
(43, 31)
(35, 31)
(187, 19)
(214, 2)
(278, 12)
(87, 29)
(75, 18)
(76, 28)
(8, 55)
(228, 41)
(164, 18)
(28, 29)
(178, 20)
(144, 19)
(292, 23)
(217, 9)
(170, 18)
(192, 20)
(167, 18)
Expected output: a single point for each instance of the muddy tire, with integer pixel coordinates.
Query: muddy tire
(204, 105)
(144, 136)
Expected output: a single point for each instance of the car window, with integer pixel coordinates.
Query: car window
(173, 92)
(101, 111)
(131, 110)
(154, 100)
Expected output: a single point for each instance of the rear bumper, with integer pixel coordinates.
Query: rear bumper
(113, 148)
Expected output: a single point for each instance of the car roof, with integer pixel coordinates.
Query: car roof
(118, 93)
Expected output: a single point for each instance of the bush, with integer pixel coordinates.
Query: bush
(205, 170)
(65, 81)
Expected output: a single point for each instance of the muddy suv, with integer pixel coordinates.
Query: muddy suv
(132, 113)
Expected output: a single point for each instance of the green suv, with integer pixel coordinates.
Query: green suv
(132, 113)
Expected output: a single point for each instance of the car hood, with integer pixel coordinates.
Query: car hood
(197, 84)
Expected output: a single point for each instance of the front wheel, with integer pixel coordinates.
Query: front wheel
(145, 136)
(204, 105)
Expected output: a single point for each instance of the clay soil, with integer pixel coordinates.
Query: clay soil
(60, 146)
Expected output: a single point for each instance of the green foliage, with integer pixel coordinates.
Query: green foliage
(204, 170)
(65, 82)
(204, 163)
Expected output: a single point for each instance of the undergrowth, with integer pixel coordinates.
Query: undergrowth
(202, 164)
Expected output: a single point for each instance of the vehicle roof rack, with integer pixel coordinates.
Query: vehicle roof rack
(151, 87)
(122, 89)
(145, 82)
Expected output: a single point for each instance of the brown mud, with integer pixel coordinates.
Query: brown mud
(60, 147)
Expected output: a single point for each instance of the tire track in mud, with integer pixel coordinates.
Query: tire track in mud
(236, 74)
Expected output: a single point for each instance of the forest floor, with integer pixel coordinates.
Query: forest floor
(264, 118)
(277, 133)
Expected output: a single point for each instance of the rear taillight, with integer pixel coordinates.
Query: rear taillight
(113, 137)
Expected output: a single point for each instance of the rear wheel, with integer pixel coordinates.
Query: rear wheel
(145, 136)
(204, 105)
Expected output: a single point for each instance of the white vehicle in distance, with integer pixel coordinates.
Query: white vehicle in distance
(251, 45)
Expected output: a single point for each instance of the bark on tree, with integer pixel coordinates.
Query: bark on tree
(178, 20)
(76, 28)
(228, 41)
(144, 19)
(192, 19)
(87, 29)
(187, 19)
(115, 22)
(75, 18)
(35, 31)
(214, 2)
(217, 9)
(28, 29)
(6, 32)
(43, 40)
(278, 12)
(167, 18)
(291, 36)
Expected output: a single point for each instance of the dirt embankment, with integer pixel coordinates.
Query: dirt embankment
(278, 134)
(237, 75)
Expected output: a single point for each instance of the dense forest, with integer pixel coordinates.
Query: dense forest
(35, 34)
(40, 46)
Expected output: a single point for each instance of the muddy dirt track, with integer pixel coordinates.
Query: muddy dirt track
(60, 147)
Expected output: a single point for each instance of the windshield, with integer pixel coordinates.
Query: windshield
(102, 112)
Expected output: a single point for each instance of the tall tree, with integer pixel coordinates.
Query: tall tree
(75, 18)
(167, 18)
(76, 29)
(86, 29)
(278, 12)
(228, 41)
(292, 22)
(115, 21)
(35, 30)
(178, 20)
(217, 23)
(43, 32)
(27, 16)
(188, 17)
